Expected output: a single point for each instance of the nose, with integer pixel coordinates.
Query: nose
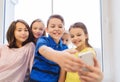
(23, 32)
(75, 38)
(38, 30)
(56, 28)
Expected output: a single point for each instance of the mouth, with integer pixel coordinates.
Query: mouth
(77, 42)
(38, 34)
(56, 33)
(23, 36)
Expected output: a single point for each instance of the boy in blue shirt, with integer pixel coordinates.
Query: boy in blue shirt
(45, 70)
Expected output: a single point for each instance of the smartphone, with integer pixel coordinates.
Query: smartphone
(87, 57)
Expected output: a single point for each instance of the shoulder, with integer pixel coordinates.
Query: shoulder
(42, 39)
(3, 46)
(30, 45)
(92, 50)
(87, 49)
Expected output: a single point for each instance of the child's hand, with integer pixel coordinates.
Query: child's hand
(71, 51)
(69, 62)
(94, 75)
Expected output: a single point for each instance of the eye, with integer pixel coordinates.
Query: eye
(60, 27)
(52, 26)
(79, 34)
(41, 29)
(72, 36)
(19, 30)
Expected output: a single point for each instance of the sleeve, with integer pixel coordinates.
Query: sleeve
(40, 42)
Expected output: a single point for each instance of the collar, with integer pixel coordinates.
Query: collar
(53, 43)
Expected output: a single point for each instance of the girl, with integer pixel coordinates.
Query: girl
(38, 29)
(17, 56)
(79, 37)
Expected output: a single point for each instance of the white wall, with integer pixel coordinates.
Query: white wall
(111, 39)
(6, 17)
(116, 38)
(1, 20)
(107, 41)
(9, 15)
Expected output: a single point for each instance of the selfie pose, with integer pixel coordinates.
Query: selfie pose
(79, 37)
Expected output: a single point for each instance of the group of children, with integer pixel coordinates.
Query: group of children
(47, 58)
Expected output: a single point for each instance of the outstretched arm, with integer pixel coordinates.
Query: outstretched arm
(64, 59)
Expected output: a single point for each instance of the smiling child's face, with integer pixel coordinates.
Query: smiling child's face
(55, 29)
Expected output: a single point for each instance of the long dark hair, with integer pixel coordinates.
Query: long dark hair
(38, 20)
(11, 37)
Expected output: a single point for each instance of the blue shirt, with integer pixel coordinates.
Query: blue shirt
(44, 70)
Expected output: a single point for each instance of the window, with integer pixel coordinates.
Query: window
(30, 10)
(72, 10)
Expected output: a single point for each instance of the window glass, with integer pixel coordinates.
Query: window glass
(86, 11)
(30, 10)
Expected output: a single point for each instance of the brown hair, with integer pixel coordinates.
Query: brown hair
(11, 37)
(38, 20)
(55, 16)
(83, 27)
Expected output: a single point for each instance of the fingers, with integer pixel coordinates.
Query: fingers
(72, 66)
(96, 68)
(72, 63)
(94, 75)
(89, 77)
(96, 64)
(71, 51)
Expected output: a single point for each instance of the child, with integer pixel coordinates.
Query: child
(38, 29)
(79, 37)
(66, 38)
(17, 56)
(49, 53)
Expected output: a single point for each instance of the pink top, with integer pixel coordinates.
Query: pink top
(14, 62)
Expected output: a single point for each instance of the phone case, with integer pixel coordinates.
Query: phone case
(87, 57)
